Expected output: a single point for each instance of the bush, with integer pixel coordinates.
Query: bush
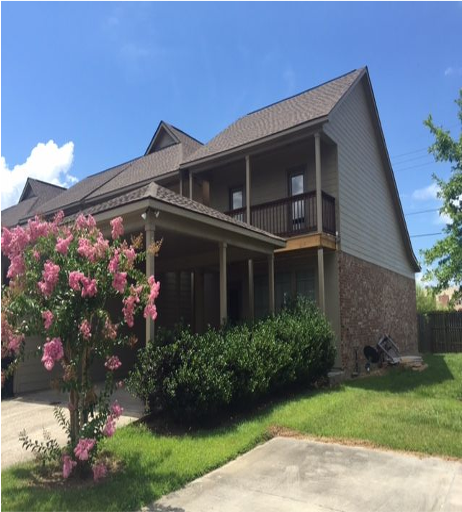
(195, 376)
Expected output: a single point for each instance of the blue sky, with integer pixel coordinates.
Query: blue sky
(96, 78)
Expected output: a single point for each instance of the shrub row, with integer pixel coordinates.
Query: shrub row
(195, 376)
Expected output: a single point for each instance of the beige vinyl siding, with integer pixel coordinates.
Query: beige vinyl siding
(369, 222)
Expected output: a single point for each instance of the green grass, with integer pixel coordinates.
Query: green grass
(403, 410)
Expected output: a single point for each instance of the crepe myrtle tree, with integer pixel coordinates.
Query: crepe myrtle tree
(62, 277)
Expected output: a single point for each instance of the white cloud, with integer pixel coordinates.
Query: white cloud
(46, 162)
(442, 219)
(451, 71)
(426, 193)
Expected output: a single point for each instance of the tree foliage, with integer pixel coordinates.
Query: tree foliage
(426, 300)
(445, 257)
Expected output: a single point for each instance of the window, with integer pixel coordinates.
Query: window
(236, 202)
(297, 210)
(305, 283)
(236, 198)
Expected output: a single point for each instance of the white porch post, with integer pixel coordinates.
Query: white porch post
(321, 293)
(317, 156)
(223, 283)
(271, 283)
(251, 289)
(150, 230)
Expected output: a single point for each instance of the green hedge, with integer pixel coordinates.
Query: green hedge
(195, 376)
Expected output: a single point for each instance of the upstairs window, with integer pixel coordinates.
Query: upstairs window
(236, 198)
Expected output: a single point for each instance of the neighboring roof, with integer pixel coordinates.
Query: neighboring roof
(154, 191)
(34, 195)
(307, 106)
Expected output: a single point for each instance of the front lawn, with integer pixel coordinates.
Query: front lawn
(403, 410)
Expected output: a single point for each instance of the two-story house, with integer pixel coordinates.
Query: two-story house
(298, 197)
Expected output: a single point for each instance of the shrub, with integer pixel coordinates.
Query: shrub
(195, 376)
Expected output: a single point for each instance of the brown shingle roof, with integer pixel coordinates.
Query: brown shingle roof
(307, 106)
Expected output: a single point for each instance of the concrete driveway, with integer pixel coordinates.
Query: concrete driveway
(34, 412)
(303, 476)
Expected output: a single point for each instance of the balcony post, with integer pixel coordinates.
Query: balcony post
(223, 283)
(317, 156)
(190, 184)
(271, 283)
(247, 189)
(321, 292)
(150, 230)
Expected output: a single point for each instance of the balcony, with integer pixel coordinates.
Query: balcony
(291, 216)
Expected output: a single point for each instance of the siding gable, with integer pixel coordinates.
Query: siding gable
(370, 225)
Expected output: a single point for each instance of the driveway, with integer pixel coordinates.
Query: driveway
(303, 476)
(34, 412)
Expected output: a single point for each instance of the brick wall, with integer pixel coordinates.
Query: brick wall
(374, 301)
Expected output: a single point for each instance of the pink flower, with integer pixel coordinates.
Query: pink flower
(86, 249)
(89, 288)
(84, 446)
(110, 330)
(112, 363)
(120, 384)
(62, 244)
(14, 342)
(36, 255)
(99, 471)
(120, 281)
(101, 246)
(116, 410)
(52, 352)
(17, 266)
(117, 227)
(15, 241)
(85, 329)
(48, 319)
(155, 289)
(68, 466)
(83, 222)
(150, 311)
(50, 276)
(109, 427)
(113, 266)
(130, 254)
(74, 279)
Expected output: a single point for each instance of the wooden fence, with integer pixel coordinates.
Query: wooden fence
(440, 332)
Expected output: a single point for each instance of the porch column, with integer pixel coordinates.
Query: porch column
(317, 157)
(223, 283)
(247, 190)
(150, 231)
(199, 301)
(271, 283)
(251, 314)
(190, 184)
(321, 293)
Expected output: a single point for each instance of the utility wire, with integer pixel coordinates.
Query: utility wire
(414, 167)
(427, 234)
(423, 211)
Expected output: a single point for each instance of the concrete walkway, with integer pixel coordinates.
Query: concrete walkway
(34, 412)
(303, 476)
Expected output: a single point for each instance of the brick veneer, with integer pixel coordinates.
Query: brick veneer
(374, 301)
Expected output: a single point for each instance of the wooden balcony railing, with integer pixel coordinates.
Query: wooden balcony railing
(290, 216)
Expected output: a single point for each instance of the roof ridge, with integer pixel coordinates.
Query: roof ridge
(300, 93)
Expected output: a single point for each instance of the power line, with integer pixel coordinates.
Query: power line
(427, 234)
(413, 159)
(414, 167)
(423, 211)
